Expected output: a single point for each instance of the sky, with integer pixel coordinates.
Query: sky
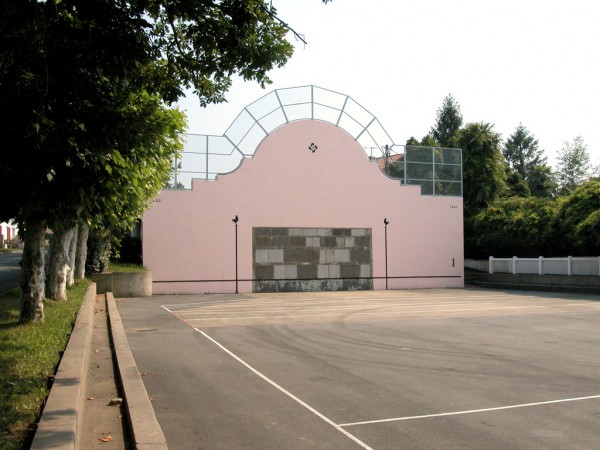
(534, 62)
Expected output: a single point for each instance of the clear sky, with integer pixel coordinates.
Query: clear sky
(535, 62)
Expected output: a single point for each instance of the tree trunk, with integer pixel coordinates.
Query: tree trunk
(32, 273)
(81, 251)
(58, 257)
(72, 257)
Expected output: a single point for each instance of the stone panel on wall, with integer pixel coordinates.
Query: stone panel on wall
(311, 259)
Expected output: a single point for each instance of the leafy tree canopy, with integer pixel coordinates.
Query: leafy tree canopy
(86, 88)
(448, 122)
(512, 226)
(541, 180)
(574, 165)
(522, 151)
(427, 141)
(578, 219)
(484, 177)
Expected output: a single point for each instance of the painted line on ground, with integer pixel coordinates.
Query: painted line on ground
(254, 299)
(472, 411)
(281, 389)
(199, 309)
(384, 301)
(386, 313)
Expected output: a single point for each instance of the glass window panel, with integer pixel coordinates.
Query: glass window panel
(250, 142)
(447, 172)
(264, 106)
(448, 188)
(298, 112)
(448, 155)
(419, 171)
(358, 113)
(273, 120)
(419, 154)
(329, 98)
(295, 95)
(326, 114)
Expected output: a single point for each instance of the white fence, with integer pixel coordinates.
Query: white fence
(539, 266)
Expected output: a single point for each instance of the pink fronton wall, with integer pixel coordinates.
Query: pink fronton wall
(189, 236)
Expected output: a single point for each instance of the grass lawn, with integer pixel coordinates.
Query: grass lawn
(115, 266)
(10, 250)
(29, 354)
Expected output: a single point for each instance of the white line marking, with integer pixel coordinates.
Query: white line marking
(386, 313)
(292, 396)
(456, 413)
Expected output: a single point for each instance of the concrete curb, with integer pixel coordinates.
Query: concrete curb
(61, 421)
(145, 430)
(578, 284)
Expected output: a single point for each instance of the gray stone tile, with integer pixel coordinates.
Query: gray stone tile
(350, 271)
(263, 272)
(261, 256)
(275, 255)
(296, 232)
(365, 270)
(341, 255)
(307, 271)
(323, 271)
(326, 256)
(334, 271)
(323, 232)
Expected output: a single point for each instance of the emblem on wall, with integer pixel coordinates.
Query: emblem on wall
(313, 147)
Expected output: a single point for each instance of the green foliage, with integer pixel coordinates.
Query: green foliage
(448, 122)
(542, 181)
(527, 163)
(531, 227)
(522, 152)
(516, 185)
(427, 141)
(99, 247)
(578, 220)
(574, 165)
(29, 354)
(117, 266)
(512, 226)
(484, 177)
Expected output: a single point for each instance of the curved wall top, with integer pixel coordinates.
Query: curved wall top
(211, 155)
(207, 156)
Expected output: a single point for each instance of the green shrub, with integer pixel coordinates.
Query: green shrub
(98, 251)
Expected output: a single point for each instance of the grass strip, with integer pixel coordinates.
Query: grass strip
(115, 266)
(29, 354)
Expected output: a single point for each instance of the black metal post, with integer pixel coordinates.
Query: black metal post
(235, 221)
(386, 222)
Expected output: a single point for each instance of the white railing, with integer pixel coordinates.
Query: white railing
(546, 266)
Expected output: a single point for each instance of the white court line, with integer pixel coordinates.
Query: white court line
(320, 305)
(373, 313)
(385, 307)
(456, 413)
(289, 394)
(384, 301)
(432, 297)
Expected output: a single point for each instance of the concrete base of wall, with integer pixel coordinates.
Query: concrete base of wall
(124, 284)
(554, 283)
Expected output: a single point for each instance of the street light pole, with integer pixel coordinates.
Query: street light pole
(235, 221)
(386, 222)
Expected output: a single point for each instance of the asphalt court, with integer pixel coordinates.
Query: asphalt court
(376, 369)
